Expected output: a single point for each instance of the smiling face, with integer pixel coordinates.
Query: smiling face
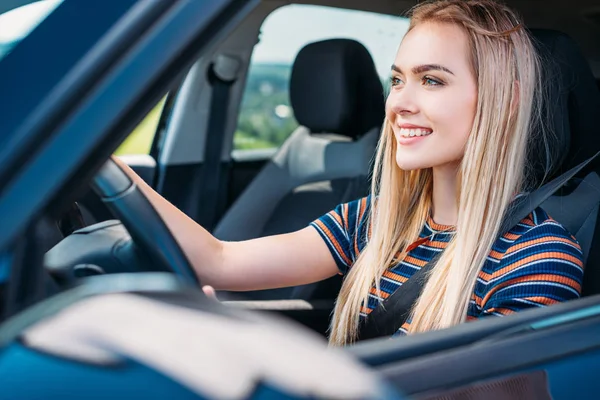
(433, 97)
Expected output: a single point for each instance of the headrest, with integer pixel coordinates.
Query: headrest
(573, 102)
(335, 88)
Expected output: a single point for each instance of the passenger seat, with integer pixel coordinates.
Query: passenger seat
(338, 100)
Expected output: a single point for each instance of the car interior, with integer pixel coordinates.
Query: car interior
(336, 96)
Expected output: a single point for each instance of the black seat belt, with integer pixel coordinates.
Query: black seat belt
(221, 75)
(393, 312)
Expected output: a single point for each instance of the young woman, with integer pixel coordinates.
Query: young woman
(465, 96)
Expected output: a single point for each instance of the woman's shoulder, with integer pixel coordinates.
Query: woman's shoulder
(342, 227)
(354, 213)
(363, 203)
(537, 262)
(540, 223)
(540, 235)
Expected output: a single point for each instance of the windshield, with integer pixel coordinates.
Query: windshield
(17, 23)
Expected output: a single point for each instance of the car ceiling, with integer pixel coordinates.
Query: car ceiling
(578, 18)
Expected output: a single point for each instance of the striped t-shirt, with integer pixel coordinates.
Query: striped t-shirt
(537, 263)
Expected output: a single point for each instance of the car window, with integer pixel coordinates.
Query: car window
(140, 139)
(266, 118)
(19, 22)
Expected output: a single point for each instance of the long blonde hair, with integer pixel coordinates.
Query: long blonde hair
(507, 71)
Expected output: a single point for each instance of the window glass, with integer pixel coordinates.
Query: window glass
(266, 118)
(140, 139)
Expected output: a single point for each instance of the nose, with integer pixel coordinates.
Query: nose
(401, 102)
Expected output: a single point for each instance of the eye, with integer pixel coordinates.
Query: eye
(429, 81)
(395, 81)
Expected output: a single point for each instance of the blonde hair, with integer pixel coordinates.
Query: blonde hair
(507, 71)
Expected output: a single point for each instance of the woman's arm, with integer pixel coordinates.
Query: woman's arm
(276, 261)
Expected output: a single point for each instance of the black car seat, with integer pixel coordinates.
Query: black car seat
(573, 106)
(337, 98)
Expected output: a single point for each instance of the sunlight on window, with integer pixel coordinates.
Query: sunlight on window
(140, 139)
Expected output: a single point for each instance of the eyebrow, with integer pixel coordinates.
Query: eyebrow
(424, 68)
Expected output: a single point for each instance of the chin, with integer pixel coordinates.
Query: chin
(408, 163)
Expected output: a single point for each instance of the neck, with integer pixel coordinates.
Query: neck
(445, 203)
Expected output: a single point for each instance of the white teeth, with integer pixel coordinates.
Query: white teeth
(414, 132)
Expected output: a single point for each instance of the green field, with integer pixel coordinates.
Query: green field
(140, 140)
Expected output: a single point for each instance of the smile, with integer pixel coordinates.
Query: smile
(414, 132)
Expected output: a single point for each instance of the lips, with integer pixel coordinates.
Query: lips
(411, 134)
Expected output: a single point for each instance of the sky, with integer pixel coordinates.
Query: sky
(289, 28)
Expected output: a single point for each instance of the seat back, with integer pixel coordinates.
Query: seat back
(337, 98)
(574, 101)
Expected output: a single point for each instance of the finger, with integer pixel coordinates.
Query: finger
(210, 292)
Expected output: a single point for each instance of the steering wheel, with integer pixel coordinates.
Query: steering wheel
(147, 229)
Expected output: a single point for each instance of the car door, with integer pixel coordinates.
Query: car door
(551, 353)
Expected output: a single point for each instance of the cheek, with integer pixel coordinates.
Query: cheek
(453, 116)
